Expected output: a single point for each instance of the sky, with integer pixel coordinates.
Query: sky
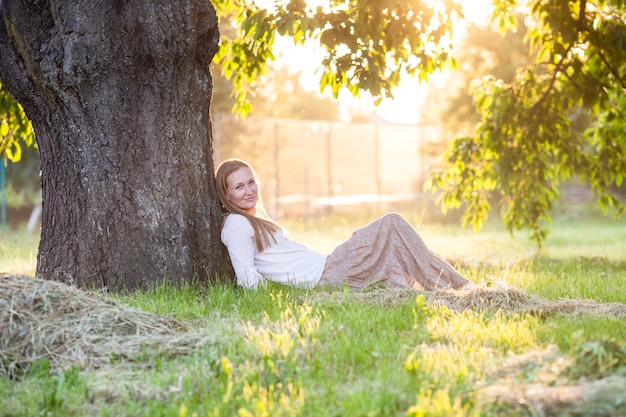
(408, 97)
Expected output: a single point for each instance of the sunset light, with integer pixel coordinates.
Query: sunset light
(407, 99)
(313, 208)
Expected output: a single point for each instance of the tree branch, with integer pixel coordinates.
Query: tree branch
(557, 68)
(580, 25)
(612, 69)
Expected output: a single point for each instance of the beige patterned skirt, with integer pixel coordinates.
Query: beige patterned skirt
(389, 251)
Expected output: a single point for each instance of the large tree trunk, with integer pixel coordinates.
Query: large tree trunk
(119, 93)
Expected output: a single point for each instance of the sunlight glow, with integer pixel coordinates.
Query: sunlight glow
(408, 97)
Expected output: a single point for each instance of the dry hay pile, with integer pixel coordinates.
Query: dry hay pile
(513, 300)
(49, 320)
(500, 297)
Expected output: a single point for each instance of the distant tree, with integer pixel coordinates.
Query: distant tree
(280, 94)
(15, 128)
(361, 116)
(484, 52)
(23, 176)
(15, 132)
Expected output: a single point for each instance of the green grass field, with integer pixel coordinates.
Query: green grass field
(287, 352)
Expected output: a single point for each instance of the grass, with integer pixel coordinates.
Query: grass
(292, 352)
(18, 252)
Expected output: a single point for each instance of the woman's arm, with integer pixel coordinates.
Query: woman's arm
(238, 236)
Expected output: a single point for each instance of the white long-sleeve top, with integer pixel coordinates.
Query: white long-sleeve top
(285, 261)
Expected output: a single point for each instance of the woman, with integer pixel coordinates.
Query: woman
(387, 251)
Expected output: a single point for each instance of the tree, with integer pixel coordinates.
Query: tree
(482, 52)
(527, 141)
(282, 95)
(119, 92)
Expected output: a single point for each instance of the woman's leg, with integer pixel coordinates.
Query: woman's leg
(389, 250)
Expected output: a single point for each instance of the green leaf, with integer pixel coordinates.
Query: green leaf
(15, 128)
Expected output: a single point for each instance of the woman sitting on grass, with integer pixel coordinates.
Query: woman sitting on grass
(388, 250)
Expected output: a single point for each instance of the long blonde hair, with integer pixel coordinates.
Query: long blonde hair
(264, 228)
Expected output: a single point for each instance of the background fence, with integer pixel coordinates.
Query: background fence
(311, 166)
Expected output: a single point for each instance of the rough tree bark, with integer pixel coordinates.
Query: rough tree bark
(118, 93)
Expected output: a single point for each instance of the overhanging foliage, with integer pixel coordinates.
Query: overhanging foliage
(526, 144)
(368, 45)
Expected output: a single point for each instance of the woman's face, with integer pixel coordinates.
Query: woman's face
(242, 189)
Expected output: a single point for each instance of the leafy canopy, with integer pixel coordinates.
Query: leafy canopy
(14, 127)
(526, 142)
(368, 45)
